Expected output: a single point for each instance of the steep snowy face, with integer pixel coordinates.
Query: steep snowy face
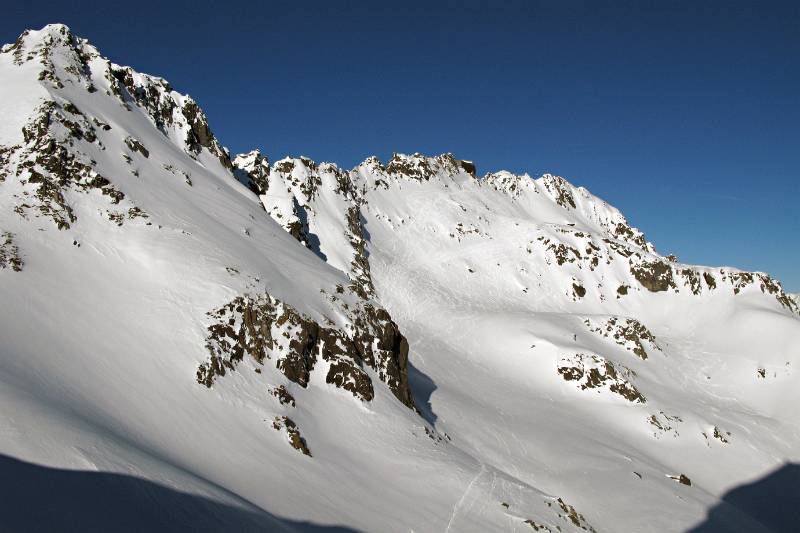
(400, 346)
(530, 304)
(138, 272)
(320, 206)
(137, 134)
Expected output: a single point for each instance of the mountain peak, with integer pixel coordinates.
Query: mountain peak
(421, 167)
(56, 30)
(42, 41)
(392, 338)
(416, 166)
(59, 55)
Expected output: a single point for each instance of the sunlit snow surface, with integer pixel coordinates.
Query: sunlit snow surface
(104, 327)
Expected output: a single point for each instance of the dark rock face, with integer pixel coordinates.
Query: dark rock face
(152, 95)
(627, 332)
(253, 170)
(594, 372)
(199, 133)
(624, 231)
(389, 356)
(415, 167)
(655, 276)
(563, 253)
(296, 440)
(772, 286)
(720, 436)
(420, 168)
(578, 290)
(565, 512)
(298, 227)
(265, 328)
(308, 181)
(301, 357)
(692, 278)
(283, 396)
(741, 280)
(156, 97)
(664, 424)
(9, 253)
(51, 166)
(468, 167)
(682, 479)
(560, 189)
(345, 364)
(574, 516)
(259, 327)
(359, 267)
(136, 146)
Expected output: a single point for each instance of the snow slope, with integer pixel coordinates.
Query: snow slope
(399, 347)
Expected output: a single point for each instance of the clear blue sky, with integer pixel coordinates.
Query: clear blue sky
(685, 115)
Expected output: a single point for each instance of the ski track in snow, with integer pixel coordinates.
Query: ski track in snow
(460, 502)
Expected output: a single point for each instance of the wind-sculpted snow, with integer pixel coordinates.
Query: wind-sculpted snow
(406, 345)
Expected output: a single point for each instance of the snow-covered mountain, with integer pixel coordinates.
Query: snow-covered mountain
(232, 344)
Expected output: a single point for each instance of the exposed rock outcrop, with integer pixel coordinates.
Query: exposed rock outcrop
(293, 435)
(262, 327)
(627, 332)
(9, 253)
(50, 166)
(252, 169)
(169, 110)
(595, 372)
(655, 276)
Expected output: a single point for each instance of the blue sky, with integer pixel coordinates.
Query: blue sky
(685, 115)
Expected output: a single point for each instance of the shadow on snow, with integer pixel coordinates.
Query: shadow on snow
(36, 498)
(422, 388)
(767, 505)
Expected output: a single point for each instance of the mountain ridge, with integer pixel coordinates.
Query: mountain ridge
(379, 347)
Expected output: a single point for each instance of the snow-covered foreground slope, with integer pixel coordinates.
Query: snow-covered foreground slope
(239, 345)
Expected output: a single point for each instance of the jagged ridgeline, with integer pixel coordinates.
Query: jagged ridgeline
(298, 193)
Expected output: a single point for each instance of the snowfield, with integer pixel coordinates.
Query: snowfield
(231, 344)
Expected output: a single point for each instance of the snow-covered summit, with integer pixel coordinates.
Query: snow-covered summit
(405, 345)
(73, 66)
